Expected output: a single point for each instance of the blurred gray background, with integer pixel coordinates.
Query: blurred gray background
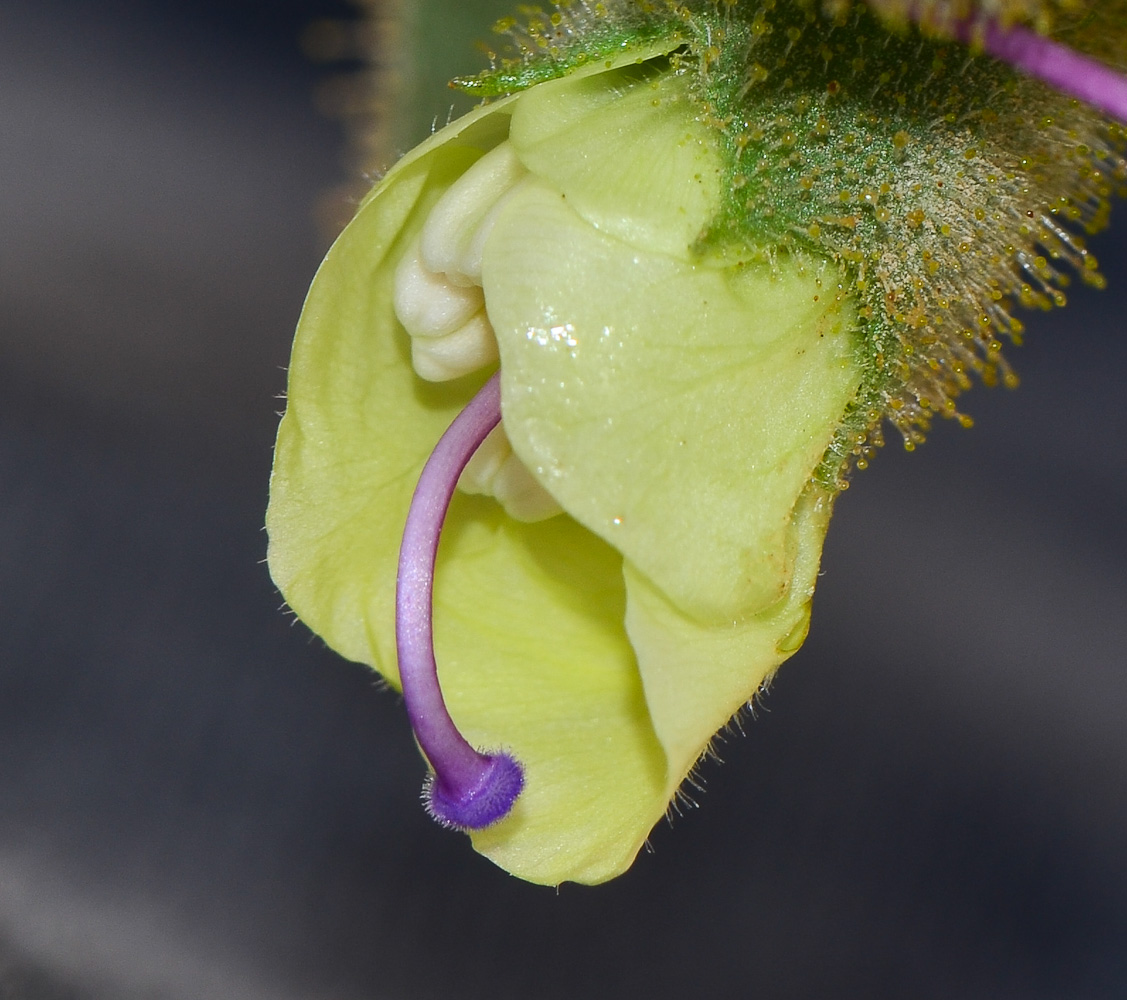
(199, 801)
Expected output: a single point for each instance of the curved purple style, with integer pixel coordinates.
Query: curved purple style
(1062, 68)
(468, 790)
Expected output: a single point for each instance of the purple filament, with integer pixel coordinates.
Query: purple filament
(468, 790)
(1060, 67)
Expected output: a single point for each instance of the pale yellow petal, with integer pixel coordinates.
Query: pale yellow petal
(697, 676)
(676, 410)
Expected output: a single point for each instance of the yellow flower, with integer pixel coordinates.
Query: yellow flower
(709, 262)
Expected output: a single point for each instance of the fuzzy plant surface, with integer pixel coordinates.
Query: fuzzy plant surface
(619, 337)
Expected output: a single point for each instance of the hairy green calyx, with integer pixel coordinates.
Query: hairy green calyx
(948, 189)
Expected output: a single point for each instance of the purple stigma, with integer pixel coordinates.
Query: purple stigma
(468, 789)
(1062, 68)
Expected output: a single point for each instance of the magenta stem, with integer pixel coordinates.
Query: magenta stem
(468, 789)
(1060, 67)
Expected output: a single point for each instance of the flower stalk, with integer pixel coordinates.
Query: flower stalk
(1052, 63)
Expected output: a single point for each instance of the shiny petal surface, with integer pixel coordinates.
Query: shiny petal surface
(676, 410)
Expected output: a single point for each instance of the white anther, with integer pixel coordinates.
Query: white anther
(451, 241)
(486, 462)
(437, 296)
(472, 346)
(495, 471)
(469, 265)
(523, 498)
(427, 304)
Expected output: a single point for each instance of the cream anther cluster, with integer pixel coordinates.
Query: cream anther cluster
(439, 300)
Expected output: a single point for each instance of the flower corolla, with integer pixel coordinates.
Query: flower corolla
(691, 349)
